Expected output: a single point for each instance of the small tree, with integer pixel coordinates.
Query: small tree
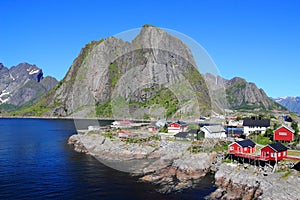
(296, 129)
(269, 133)
(275, 125)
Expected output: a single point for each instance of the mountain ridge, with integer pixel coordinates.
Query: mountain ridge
(291, 103)
(155, 74)
(22, 85)
(243, 95)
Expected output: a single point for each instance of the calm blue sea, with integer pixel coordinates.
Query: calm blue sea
(37, 163)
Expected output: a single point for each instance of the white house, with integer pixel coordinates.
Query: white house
(215, 131)
(255, 125)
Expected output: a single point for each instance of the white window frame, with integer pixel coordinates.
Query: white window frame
(272, 155)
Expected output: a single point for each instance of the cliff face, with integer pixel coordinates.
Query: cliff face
(242, 95)
(153, 76)
(22, 84)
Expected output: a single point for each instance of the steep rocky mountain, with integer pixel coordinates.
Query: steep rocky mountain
(241, 95)
(291, 103)
(22, 85)
(155, 75)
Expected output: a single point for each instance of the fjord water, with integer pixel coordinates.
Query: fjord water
(37, 163)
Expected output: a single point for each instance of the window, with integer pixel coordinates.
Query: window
(245, 148)
(279, 154)
(284, 153)
(282, 133)
(231, 148)
(273, 155)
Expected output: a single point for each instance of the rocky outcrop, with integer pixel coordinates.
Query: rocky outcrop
(180, 172)
(240, 94)
(167, 164)
(236, 182)
(22, 84)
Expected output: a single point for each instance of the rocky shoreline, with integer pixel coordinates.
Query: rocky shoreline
(165, 163)
(234, 181)
(172, 167)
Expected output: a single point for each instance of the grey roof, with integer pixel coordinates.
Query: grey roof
(246, 143)
(181, 134)
(278, 147)
(181, 123)
(194, 131)
(215, 128)
(256, 122)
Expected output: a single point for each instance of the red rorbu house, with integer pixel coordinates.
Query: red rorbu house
(275, 152)
(283, 133)
(124, 134)
(152, 128)
(244, 146)
(177, 127)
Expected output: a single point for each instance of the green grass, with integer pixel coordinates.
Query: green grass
(260, 139)
(293, 153)
(286, 174)
(114, 73)
(104, 109)
(163, 97)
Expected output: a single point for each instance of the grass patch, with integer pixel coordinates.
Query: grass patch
(163, 97)
(293, 153)
(110, 135)
(286, 174)
(104, 109)
(260, 139)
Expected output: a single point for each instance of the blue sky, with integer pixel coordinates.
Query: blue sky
(254, 39)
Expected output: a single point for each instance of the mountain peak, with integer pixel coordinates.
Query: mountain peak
(21, 84)
(243, 95)
(155, 65)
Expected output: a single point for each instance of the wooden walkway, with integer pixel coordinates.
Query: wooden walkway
(292, 158)
(250, 156)
(258, 157)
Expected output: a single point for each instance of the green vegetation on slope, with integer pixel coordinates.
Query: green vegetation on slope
(163, 97)
(104, 109)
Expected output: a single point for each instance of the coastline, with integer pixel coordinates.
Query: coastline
(173, 168)
(68, 118)
(167, 164)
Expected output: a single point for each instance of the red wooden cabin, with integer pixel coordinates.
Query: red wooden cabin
(275, 152)
(177, 127)
(283, 133)
(244, 146)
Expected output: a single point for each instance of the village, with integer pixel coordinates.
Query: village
(254, 140)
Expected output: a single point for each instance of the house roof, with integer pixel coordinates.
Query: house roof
(181, 134)
(256, 122)
(288, 128)
(246, 143)
(278, 147)
(180, 123)
(214, 129)
(194, 131)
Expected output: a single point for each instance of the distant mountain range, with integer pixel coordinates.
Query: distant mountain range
(240, 94)
(291, 103)
(22, 85)
(153, 76)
